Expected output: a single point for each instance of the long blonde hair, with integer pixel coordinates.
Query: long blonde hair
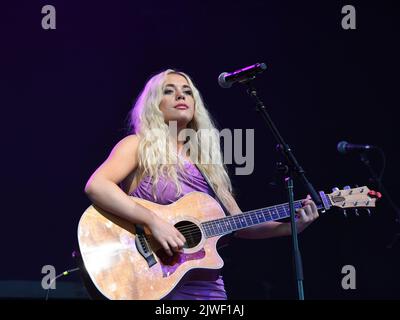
(147, 121)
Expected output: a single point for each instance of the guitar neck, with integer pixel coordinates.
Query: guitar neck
(248, 219)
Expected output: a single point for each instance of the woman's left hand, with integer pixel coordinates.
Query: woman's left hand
(306, 214)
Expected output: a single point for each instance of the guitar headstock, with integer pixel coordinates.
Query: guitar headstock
(354, 198)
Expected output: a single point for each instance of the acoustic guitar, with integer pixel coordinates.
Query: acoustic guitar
(125, 262)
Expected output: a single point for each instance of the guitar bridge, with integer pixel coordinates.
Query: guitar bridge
(144, 249)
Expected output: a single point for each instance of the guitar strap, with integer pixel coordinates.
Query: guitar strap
(225, 240)
(212, 188)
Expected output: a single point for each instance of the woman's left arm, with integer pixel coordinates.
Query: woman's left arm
(306, 215)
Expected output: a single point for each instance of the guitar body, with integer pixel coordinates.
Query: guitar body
(124, 262)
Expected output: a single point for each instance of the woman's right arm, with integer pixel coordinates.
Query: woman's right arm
(103, 190)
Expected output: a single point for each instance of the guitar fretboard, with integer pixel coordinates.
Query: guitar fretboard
(247, 219)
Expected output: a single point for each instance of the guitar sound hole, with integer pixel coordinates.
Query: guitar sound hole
(191, 232)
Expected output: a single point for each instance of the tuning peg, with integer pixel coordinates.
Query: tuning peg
(369, 212)
(335, 189)
(375, 194)
(356, 212)
(345, 213)
(348, 188)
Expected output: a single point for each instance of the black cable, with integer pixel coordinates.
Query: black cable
(65, 273)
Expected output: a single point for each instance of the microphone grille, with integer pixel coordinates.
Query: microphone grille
(341, 147)
(263, 66)
(222, 82)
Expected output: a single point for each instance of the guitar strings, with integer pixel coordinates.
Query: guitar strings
(214, 224)
(193, 230)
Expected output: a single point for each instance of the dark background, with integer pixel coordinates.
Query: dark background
(65, 95)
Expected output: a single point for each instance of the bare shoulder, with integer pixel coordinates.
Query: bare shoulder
(129, 143)
(122, 161)
(125, 151)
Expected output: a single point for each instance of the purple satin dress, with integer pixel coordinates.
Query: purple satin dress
(200, 284)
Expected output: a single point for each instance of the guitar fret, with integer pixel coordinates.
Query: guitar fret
(242, 222)
(248, 220)
(215, 231)
(267, 215)
(255, 218)
(218, 227)
(261, 217)
(232, 222)
(235, 221)
(215, 228)
(274, 213)
(222, 224)
(282, 212)
(207, 231)
(223, 227)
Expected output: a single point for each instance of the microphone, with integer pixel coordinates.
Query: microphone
(226, 79)
(344, 147)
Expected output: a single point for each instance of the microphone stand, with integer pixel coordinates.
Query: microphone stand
(378, 181)
(292, 166)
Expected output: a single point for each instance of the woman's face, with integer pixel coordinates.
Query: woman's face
(177, 102)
